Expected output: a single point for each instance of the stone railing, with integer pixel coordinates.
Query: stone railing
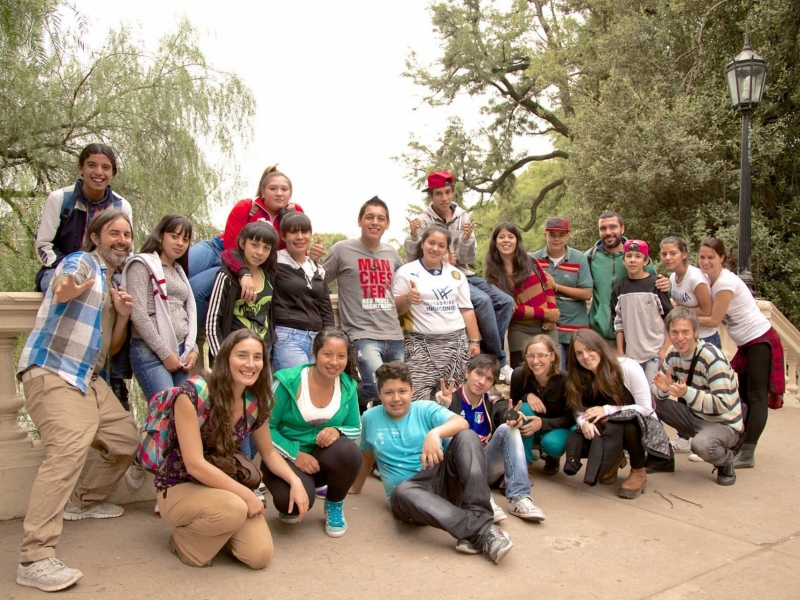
(20, 456)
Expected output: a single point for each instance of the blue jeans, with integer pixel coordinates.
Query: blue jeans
(553, 443)
(714, 340)
(650, 368)
(292, 347)
(505, 455)
(371, 354)
(204, 262)
(150, 372)
(493, 309)
(564, 353)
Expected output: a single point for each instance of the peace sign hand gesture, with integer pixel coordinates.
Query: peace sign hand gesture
(69, 290)
(513, 417)
(445, 396)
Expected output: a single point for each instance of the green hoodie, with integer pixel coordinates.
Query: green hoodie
(607, 270)
(290, 432)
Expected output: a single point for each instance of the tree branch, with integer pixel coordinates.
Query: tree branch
(516, 166)
(535, 204)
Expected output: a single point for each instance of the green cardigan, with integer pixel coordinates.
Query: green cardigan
(290, 433)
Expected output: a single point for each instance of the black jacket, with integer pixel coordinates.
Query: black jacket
(553, 396)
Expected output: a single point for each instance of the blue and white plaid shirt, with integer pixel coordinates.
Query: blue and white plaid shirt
(67, 338)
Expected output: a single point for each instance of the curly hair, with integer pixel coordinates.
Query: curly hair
(606, 380)
(331, 333)
(392, 370)
(220, 392)
(494, 270)
(555, 366)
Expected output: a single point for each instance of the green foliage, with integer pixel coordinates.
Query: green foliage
(176, 123)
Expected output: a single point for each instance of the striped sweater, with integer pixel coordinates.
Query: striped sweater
(713, 394)
(533, 297)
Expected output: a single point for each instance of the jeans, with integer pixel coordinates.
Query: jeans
(714, 340)
(150, 372)
(292, 347)
(650, 368)
(204, 262)
(564, 355)
(493, 309)
(505, 455)
(553, 443)
(371, 354)
(713, 442)
(248, 447)
(453, 495)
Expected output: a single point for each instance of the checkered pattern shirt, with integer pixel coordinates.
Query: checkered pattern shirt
(66, 337)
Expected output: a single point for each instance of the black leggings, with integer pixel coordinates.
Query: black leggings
(338, 467)
(754, 389)
(605, 450)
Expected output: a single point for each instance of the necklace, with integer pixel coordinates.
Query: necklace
(315, 397)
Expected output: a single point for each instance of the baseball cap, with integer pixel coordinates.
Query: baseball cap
(636, 246)
(439, 179)
(556, 224)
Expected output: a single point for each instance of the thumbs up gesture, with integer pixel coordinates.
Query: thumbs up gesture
(413, 295)
(414, 225)
(317, 250)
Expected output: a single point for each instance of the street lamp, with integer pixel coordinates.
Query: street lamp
(746, 75)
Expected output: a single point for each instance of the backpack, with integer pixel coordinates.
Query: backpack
(153, 437)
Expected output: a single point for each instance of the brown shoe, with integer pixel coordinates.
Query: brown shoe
(611, 476)
(634, 485)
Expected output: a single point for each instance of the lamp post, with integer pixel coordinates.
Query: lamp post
(746, 75)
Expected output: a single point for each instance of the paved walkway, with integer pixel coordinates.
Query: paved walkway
(693, 540)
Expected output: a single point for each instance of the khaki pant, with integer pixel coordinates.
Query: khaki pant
(207, 519)
(70, 423)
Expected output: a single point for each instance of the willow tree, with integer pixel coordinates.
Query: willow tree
(176, 122)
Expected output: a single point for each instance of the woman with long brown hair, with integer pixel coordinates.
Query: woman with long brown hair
(208, 509)
(759, 354)
(613, 409)
(508, 266)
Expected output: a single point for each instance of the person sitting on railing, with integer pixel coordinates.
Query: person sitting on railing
(83, 319)
(708, 407)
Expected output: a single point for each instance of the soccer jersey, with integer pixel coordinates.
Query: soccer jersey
(477, 418)
(444, 293)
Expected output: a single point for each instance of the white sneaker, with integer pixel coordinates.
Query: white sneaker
(524, 508)
(680, 445)
(505, 373)
(499, 515)
(135, 476)
(48, 575)
(694, 458)
(103, 510)
(259, 492)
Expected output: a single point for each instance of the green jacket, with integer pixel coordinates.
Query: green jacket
(607, 270)
(290, 432)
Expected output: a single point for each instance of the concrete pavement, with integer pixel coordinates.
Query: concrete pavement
(694, 539)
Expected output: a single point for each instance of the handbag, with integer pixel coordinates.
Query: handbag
(239, 468)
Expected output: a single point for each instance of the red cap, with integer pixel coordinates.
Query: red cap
(636, 246)
(439, 179)
(556, 224)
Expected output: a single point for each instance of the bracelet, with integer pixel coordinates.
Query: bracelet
(474, 342)
(247, 275)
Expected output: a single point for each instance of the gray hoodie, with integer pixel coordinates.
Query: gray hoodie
(465, 252)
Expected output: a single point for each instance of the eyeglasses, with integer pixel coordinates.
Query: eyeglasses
(538, 356)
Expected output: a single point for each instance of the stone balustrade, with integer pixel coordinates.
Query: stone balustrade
(20, 456)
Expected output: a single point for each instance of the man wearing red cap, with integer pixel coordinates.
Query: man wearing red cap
(568, 273)
(493, 307)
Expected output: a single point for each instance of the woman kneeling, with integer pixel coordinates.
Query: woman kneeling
(613, 409)
(314, 423)
(210, 510)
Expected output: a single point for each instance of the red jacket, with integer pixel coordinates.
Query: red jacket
(240, 216)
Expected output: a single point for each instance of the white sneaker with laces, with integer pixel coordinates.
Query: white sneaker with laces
(499, 515)
(103, 510)
(135, 476)
(524, 508)
(48, 575)
(505, 373)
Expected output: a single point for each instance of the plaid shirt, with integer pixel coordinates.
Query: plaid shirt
(66, 337)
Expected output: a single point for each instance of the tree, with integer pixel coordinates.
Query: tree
(514, 62)
(176, 123)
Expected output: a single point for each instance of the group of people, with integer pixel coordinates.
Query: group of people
(402, 389)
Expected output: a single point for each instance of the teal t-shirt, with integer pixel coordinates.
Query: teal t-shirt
(397, 444)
